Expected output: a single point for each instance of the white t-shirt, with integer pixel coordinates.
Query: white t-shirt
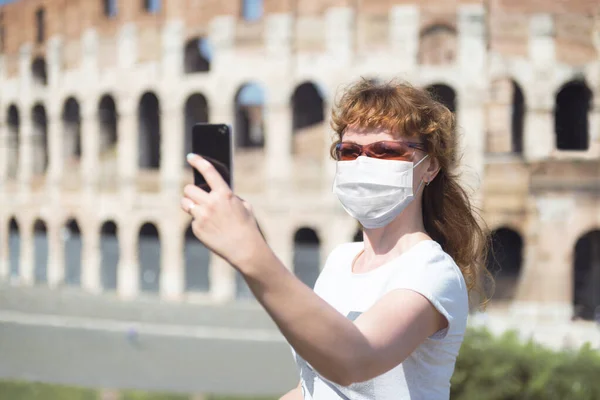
(424, 268)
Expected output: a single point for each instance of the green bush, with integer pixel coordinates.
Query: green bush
(42, 391)
(505, 369)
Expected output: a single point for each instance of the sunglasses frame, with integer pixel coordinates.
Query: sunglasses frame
(413, 145)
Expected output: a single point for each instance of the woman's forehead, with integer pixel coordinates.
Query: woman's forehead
(368, 135)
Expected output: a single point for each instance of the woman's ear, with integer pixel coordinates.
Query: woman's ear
(432, 169)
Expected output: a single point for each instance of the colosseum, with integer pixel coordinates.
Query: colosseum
(98, 99)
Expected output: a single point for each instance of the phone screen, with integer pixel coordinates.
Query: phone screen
(214, 143)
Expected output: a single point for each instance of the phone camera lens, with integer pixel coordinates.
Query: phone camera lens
(221, 130)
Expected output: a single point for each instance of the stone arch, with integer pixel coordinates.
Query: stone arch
(149, 131)
(71, 118)
(307, 106)
(40, 25)
(517, 121)
(71, 235)
(197, 263)
(152, 6)
(149, 252)
(249, 116)
(196, 111)
(444, 94)
(13, 123)
(571, 126)
(586, 279)
(109, 253)
(39, 71)
(252, 10)
(506, 117)
(505, 259)
(307, 257)
(197, 55)
(110, 8)
(14, 247)
(40, 245)
(107, 119)
(438, 45)
(40, 139)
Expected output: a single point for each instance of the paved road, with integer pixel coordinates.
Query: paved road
(72, 338)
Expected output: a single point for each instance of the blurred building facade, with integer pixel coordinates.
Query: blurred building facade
(98, 99)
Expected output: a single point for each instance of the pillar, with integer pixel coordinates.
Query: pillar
(91, 259)
(128, 273)
(90, 144)
(546, 287)
(278, 144)
(127, 147)
(222, 280)
(55, 153)
(27, 253)
(172, 274)
(4, 249)
(56, 253)
(539, 138)
(171, 171)
(25, 150)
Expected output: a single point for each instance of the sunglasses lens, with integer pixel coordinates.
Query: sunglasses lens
(390, 151)
(347, 151)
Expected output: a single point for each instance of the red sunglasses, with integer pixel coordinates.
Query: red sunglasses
(385, 150)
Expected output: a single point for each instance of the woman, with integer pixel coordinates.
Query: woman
(387, 316)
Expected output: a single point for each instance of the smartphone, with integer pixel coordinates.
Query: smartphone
(214, 143)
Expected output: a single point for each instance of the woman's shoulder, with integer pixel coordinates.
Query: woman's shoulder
(431, 265)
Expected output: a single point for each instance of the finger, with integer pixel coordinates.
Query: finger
(208, 171)
(188, 205)
(196, 194)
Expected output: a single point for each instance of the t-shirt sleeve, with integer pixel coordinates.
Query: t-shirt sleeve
(438, 279)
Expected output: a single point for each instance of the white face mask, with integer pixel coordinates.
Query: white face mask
(375, 191)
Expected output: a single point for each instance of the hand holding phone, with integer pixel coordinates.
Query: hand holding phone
(214, 143)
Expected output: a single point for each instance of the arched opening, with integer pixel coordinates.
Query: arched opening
(72, 243)
(149, 258)
(38, 71)
(586, 290)
(505, 258)
(40, 25)
(110, 8)
(14, 248)
(40, 139)
(437, 45)
(13, 123)
(40, 245)
(197, 262)
(252, 10)
(197, 56)
(517, 118)
(107, 118)
(573, 102)
(307, 107)
(307, 256)
(72, 132)
(249, 116)
(196, 111)
(443, 94)
(109, 251)
(151, 6)
(149, 131)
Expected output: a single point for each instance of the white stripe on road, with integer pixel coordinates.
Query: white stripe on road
(108, 325)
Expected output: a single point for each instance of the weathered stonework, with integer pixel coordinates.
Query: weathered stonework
(550, 197)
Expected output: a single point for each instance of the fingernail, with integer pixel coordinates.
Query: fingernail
(191, 156)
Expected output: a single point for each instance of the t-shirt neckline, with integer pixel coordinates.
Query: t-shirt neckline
(384, 265)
